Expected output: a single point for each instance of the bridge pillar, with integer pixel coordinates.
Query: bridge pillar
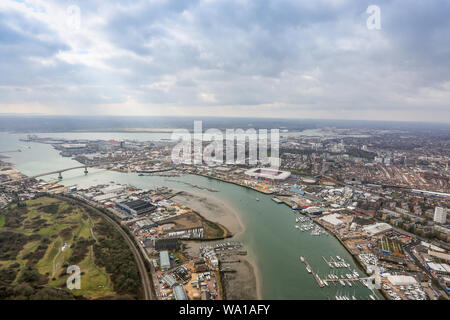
(85, 170)
(59, 176)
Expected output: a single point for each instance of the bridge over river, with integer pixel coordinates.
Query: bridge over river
(59, 172)
(84, 166)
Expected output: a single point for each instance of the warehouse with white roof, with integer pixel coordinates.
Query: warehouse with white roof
(377, 228)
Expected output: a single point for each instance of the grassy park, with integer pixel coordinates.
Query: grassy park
(39, 239)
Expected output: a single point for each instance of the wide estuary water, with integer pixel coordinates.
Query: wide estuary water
(273, 242)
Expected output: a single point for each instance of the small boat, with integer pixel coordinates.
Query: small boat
(308, 269)
(257, 199)
(302, 259)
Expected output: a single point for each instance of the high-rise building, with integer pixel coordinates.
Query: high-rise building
(440, 215)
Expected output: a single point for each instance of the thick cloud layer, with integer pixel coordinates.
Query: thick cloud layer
(283, 58)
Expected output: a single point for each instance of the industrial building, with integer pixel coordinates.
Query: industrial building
(440, 215)
(439, 255)
(377, 228)
(145, 224)
(136, 207)
(179, 292)
(73, 146)
(167, 244)
(439, 267)
(170, 280)
(164, 260)
(333, 219)
(401, 280)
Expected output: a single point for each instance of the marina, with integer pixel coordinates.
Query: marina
(304, 223)
(309, 269)
(346, 277)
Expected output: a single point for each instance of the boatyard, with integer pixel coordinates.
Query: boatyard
(305, 223)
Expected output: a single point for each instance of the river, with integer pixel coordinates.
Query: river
(273, 242)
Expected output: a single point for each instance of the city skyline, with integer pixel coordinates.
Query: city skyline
(284, 59)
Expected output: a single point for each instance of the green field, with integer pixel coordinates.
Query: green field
(40, 239)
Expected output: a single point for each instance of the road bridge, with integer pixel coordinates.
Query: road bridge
(60, 171)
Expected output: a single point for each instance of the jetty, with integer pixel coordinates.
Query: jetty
(318, 280)
(277, 200)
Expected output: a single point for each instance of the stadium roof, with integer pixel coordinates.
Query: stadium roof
(268, 173)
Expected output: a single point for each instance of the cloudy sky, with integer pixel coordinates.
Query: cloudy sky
(280, 58)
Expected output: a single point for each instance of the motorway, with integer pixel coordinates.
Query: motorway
(147, 284)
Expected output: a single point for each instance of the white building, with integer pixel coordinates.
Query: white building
(268, 174)
(333, 219)
(377, 228)
(440, 215)
(164, 260)
(402, 280)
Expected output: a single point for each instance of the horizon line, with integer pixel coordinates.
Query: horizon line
(209, 116)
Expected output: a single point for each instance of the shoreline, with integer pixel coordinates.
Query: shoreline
(228, 217)
(204, 204)
(232, 182)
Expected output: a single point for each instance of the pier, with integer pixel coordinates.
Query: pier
(344, 280)
(319, 281)
(277, 200)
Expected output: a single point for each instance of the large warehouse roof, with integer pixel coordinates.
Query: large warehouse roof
(164, 260)
(402, 280)
(333, 219)
(440, 267)
(377, 228)
(179, 292)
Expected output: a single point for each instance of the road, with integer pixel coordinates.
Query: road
(57, 172)
(147, 283)
(84, 166)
